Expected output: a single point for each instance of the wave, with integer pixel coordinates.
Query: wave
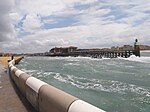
(76, 64)
(74, 59)
(137, 59)
(142, 59)
(29, 71)
(102, 85)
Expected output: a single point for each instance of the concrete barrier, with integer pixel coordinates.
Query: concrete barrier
(22, 83)
(46, 98)
(12, 71)
(82, 106)
(51, 98)
(32, 90)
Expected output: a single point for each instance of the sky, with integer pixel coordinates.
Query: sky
(30, 26)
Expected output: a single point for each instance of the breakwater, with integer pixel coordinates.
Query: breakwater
(103, 53)
(44, 97)
(125, 51)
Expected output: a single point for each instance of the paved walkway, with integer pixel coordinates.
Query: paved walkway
(10, 98)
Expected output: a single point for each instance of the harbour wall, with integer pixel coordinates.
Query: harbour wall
(100, 53)
(44, 97)
(114, 52)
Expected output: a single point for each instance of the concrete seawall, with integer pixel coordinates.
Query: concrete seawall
(46, 98)
(11, 100)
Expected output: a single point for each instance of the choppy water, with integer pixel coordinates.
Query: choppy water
(115, 85)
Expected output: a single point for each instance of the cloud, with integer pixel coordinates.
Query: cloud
(87, 35)
(6, 27)
(37, 26)
(31, 23)
(44, 8)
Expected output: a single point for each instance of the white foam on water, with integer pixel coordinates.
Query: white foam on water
(94, 59)
(137, 59)
(45, 74)
(29, 71)
(102, 85)
(74, 64)
(79, 58)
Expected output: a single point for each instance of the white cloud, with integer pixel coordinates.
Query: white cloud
(82, 36)
(31, 23)
(42, 7)
(98, 23)
(15, 17)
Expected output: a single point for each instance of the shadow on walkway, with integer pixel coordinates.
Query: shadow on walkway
(11, 99)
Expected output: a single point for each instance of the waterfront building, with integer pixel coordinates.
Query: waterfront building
(62, 50)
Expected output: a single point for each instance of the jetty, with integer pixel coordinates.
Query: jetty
(125, 51)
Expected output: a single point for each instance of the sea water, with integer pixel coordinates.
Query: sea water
(114, 85)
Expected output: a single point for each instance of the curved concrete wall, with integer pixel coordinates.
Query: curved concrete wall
(46, 98)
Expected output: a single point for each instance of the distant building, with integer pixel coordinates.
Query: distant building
(128, 47)
(115, 48)
(71, 48)
(123, 51)
(62, 50)
(144, 47)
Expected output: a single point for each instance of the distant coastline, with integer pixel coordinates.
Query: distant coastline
(145, 51)
(143, 48)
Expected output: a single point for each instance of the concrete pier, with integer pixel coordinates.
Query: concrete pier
(10, 98)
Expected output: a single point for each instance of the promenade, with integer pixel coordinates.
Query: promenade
(11, 100)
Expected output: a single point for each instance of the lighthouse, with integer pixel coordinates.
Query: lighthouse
(136, 48)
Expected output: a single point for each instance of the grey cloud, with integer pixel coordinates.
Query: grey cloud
(101, 24)
(6, 28)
